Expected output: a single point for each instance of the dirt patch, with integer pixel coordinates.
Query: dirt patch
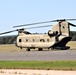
(34, 72)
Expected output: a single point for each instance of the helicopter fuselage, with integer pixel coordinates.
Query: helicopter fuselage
(36, 41)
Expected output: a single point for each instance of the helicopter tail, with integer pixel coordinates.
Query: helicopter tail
(61, 44)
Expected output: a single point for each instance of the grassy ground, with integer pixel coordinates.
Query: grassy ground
(72, 44)
(9, 47)
(12, 47)
(48, 65)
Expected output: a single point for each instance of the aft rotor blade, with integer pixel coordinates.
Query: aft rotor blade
(38, 27)
(60, 20)
(70, 19)
(8, 32)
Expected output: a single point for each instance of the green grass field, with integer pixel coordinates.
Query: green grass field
(46, 65)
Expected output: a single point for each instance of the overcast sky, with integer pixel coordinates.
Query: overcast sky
(16, 12)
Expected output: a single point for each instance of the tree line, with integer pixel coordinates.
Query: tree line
(12, 39)
(8, 39)
(73, 35)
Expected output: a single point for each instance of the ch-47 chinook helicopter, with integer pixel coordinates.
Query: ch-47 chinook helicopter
(57, 38)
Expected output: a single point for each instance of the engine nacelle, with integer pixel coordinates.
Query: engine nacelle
(52, 33)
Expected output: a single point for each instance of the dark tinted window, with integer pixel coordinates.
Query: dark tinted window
(19, 40)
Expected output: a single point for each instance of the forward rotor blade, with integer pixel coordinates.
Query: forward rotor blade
(43, 22)
(8, 32)
(38, 27)
(34, 23)
(72, 24)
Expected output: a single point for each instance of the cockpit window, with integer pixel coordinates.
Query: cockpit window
(19, 40)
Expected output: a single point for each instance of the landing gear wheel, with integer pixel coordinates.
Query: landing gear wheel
(28, 49)
(40, 49)
(52, 48)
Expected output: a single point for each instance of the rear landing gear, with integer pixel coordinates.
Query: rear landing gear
(52, 48)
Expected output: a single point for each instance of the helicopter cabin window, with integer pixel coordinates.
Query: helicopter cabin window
(26, 40)
(48, 40)
(33, 40)
(19, 40)
(42, 40)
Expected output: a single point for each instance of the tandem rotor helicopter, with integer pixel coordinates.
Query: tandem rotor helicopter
(57, 38)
